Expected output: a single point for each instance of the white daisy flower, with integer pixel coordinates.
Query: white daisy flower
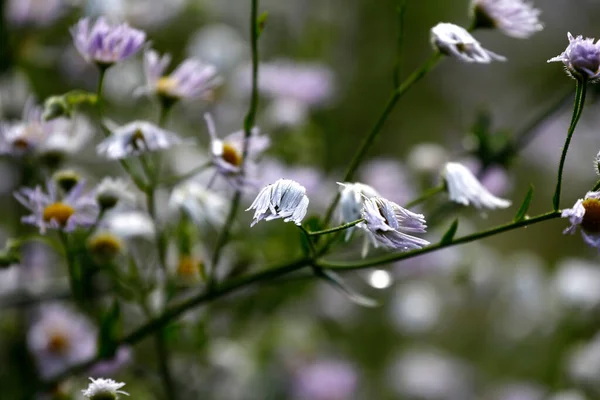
(112, 190)
(104, 389)
(352, 199)
(585, 214)
(464, 188)
(516, 18)
(453, 40)
(135, 139)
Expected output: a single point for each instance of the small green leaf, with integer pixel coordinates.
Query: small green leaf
(449, 235)
(336, 281)
(261, 21)
(521, 214)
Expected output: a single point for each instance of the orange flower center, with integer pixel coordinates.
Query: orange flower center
(189, 267)
(58, 343)
(231, 155)
(59, 212)
(591, 218)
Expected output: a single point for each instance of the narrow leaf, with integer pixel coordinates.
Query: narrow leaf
(261, 21)
(520, 216)
(336, 281)
(449, 235)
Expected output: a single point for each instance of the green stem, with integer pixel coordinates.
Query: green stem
(425, 196)
(166, 376)
(248, 125)
(71, 266)
(596, 187)
(100, 86)
(415, 77)
(337, 228)
(311, 245)
(401, 11)
(174, 180)
(349, 265)
(580, 90)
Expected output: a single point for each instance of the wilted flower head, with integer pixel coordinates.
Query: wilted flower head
(352, 198)
(105, 44)
(135, 139)
(111, 190)
(516, 18)
(453, 40)
(389, 224)
(581, 58)
(104, 389)
(191, 79)
(464, 188)
(200, 204)
(227, 153)
(24, 136)
(55, 211)
(586, 214)
(59, 338)
(283, 199)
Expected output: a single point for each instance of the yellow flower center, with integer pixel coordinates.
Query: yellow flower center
(165, 86)
(591, 218)
(105, 245)
(58, 343)
(59, 212)
(231, 155)
(189, 267)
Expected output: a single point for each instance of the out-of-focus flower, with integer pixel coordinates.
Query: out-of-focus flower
(218, 44)
(417, 307)
(390, 177)
(106, 44)
(581, 58)
(293, 87)
(150, 14)
(571, 394)
(517, 391)
(104, 389)
(389, 225)
(325, 380)
(135, 139)
(108, 367)
(191, 79)
(105, 245)
(227, 153)
(129, 224)
(59, 338)
(577, 283)
(203, 206)
(583, 362)
(586, 214)
(464, 188)
(352, 199)
(455, 41)
(429, 374)
(283, 199)
(24, 136)
(427, 157)
(38, 13)
(112, 190)
(54, 211)
(516, 18)
(66, 138)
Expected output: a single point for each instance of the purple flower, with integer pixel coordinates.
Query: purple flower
(581, 58)
(191, 79)
(106, 44)
(227, 152)
(135, 139)
(464, 188)
(60, 338)
(38, 13)
(54, 211)
(389, 224)
(585, 214)
(326, 380)
(352, 199)
(516, 18)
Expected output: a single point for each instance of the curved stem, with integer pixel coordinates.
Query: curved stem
(370, 138)
(174, 180)
(336, 228)
(349, 265)
(577, 109)
(596, 187)
(429, 193)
